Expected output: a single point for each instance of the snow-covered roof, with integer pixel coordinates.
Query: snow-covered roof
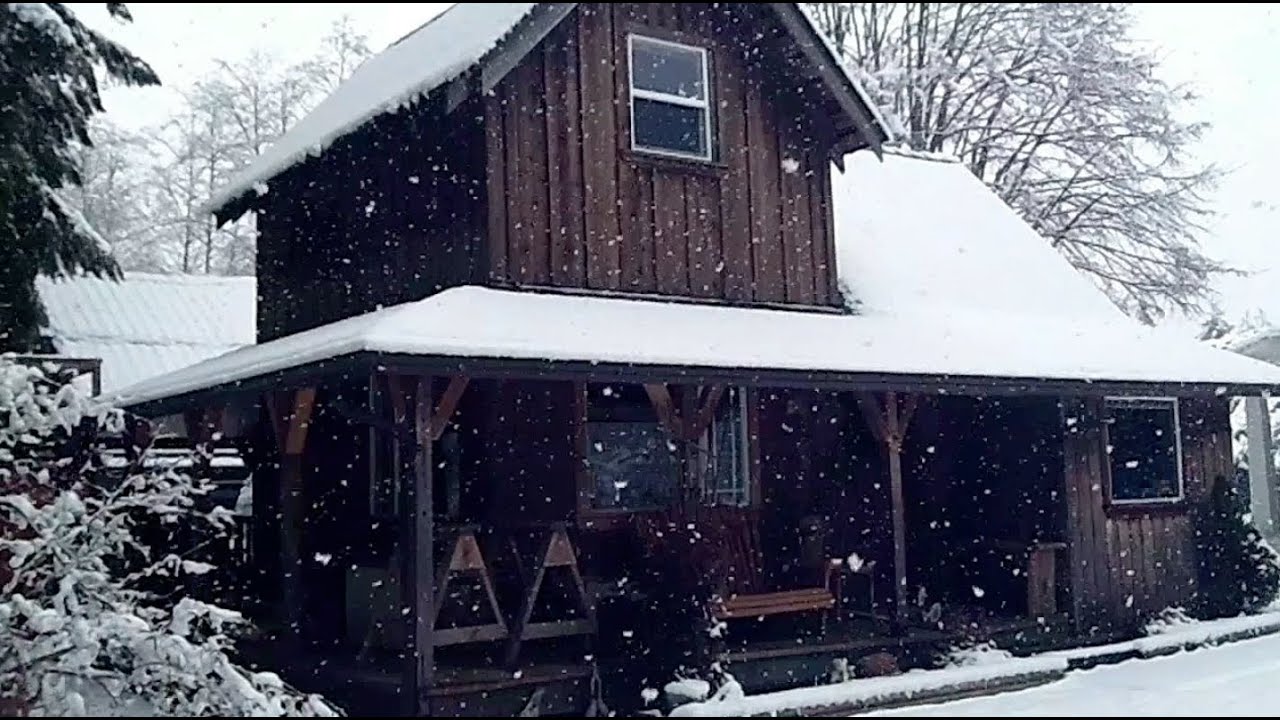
(148, 325)
(948, 281)
(437, 52)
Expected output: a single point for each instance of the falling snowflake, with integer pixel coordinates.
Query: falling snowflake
(414, 180)
(368, 209)
(649, 695)
(323, 558)
(856, 562)
(790, 166)
(978, 592)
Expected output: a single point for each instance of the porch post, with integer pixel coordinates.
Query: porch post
(1262, 471)
(894, 442)
(417, 544)
(417, 556)
(890, 428)
(291, 439)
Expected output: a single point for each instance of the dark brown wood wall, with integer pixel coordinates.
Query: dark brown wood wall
(1128, 563)
(531, 461)
(572, 206)
(391, 213)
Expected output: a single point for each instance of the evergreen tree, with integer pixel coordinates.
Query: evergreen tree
(48, 61)
(1238, 571)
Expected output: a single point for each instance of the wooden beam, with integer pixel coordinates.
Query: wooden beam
(304, 401)
(279, 423)
(692, 462)
(908, 411)
(291, 441)
(893, 441)
(889, 423)
(417, 543)
(706, 410)
(660, 395)
(871, 411)
(448, 404)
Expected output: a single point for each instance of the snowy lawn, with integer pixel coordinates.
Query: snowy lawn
(1242, 678)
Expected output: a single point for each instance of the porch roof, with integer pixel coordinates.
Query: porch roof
(946, 283)
(475, 322)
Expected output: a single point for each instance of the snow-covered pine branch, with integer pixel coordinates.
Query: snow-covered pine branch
(90, 616)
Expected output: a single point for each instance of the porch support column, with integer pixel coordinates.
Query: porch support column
(1262, 471)
(417, 588)
(686, 425)
(291, 418)
(889, 424)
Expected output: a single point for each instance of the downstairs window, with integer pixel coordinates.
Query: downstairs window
(1144, 447)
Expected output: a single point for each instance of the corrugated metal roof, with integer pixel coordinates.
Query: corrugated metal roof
(148, 325)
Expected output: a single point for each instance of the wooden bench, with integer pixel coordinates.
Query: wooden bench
(723, 544)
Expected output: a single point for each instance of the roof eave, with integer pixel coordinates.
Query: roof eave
(345, 365)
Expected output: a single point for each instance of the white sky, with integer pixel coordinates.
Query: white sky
(1227, 52)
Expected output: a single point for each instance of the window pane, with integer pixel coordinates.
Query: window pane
(728, 467)
(670, 128)
(1144, 453)
(666, 69)
(633, 464)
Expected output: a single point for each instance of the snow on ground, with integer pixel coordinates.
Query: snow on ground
(1235, 679)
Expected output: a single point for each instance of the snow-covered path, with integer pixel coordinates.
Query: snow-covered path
(1241, 678)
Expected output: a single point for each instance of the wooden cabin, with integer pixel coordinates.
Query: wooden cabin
(595, 340)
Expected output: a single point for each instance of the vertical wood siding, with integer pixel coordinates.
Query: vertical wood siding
(1125, 564)
(391, 213)
(570, 205)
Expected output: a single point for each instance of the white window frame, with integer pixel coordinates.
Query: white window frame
(1140, 402)
(746, 491)
(704, 104)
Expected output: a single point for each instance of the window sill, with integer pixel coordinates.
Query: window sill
(1147, 507)
(674, 164)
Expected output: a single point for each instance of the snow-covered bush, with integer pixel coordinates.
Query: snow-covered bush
(1238, 571)
(89, 614)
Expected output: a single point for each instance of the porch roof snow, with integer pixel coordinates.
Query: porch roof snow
(947, 281)
(487, 323)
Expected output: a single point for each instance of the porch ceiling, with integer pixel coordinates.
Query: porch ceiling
(506, 332)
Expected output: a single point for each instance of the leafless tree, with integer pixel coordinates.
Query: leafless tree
(1060, 110)
(224, 121)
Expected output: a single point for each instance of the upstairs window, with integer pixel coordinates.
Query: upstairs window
(670, 98)
(1145, 450)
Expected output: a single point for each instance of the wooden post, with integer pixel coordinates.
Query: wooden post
(417, 544)
(890, 426)
(685, 425)
(417, 547)
(291, 439)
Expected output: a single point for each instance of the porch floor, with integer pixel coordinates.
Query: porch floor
(855, 639)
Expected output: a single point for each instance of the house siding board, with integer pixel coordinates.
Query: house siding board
(653, 226)
(1130, 563)
(381, 218)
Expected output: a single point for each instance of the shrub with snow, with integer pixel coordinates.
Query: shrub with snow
(89, 614)
(1238, 571)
